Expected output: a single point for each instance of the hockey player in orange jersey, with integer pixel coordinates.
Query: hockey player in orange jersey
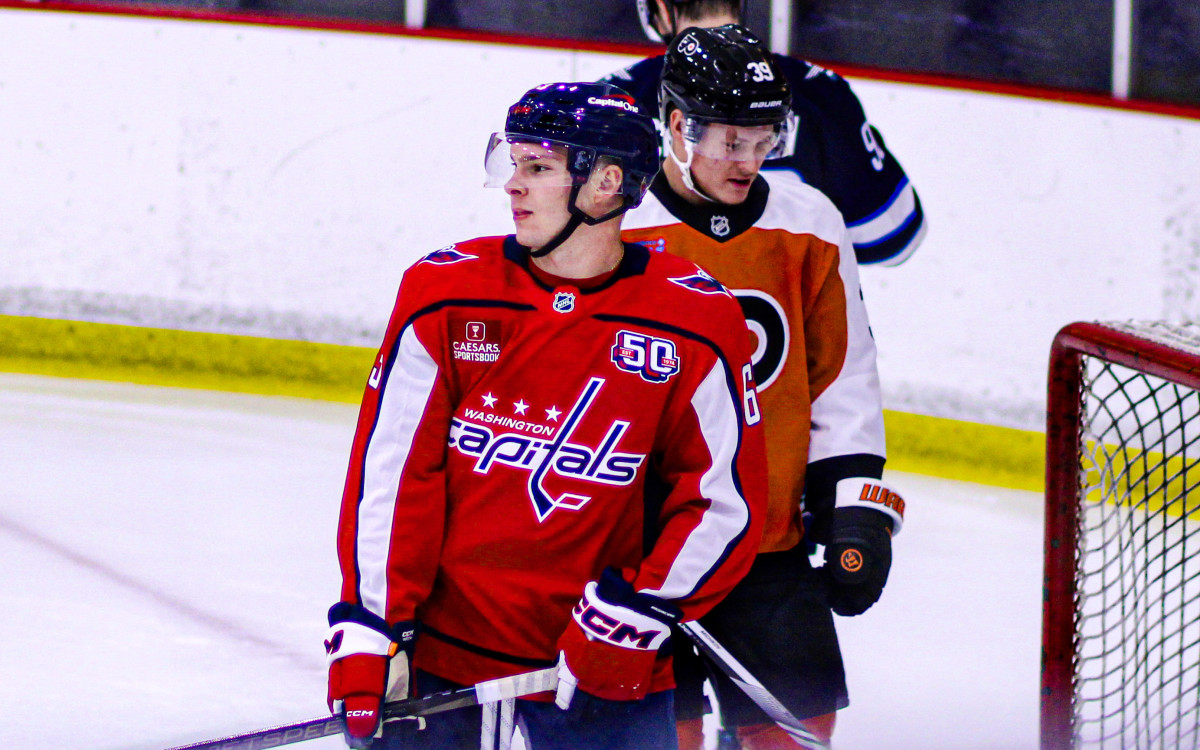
(783, 249)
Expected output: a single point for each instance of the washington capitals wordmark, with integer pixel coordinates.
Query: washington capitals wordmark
(602, 465)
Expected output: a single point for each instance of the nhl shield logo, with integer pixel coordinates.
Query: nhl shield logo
(564, 302)
(719, 225)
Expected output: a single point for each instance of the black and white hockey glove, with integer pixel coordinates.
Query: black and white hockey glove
(858, 548)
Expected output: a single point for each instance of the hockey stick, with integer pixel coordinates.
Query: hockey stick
(733, 669)
(513, 686)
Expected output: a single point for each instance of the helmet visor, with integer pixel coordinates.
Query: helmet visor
(530, 162)
(726, 142)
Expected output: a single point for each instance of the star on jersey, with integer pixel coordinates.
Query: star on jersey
(552, 414)
(520, 406)
(489, 400)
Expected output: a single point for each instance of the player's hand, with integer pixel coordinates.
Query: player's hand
(858, 556)
(368, 665)
(609, 648)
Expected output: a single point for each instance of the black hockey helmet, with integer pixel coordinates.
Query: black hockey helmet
(591, 120)
(648, 15)
(726, 75)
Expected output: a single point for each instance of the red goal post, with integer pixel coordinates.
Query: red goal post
(1121, 595)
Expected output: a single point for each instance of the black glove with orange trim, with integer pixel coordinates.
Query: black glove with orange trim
(858, 556)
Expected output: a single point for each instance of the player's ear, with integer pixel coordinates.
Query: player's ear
(663, 19)
(675, 127)
(609, 177)
(603, 191)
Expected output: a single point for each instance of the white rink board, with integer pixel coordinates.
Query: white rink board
(152, 168)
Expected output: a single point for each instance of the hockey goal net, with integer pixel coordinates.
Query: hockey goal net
(1121, 599)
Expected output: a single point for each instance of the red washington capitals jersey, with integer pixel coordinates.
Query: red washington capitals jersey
(516, 439)
(834, 149)
(785, 253)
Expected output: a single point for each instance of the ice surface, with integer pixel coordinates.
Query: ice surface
(168, 559)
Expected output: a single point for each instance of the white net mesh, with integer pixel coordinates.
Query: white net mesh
(1138, 607)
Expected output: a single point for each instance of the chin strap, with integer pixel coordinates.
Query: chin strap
(685, 168)
(577, 217)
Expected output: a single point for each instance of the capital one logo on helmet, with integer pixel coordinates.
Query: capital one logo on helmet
(620, 103)
(600, 465)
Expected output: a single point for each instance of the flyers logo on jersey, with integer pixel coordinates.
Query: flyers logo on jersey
(446, 255)
(701, 282)
(603, 464)
(654, 359)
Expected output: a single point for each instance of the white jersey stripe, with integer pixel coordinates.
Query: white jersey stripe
(847, 418)
(888, 220)
(909, 249)
(402, 404)
(728, 514)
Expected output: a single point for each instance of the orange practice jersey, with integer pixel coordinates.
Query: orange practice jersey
(786, 255)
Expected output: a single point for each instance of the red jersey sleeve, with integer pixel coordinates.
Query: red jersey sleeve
(393, 505)
(713, 457)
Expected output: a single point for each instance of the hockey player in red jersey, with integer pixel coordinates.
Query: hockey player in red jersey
(558, 455)
(830, 145)
(784, 250)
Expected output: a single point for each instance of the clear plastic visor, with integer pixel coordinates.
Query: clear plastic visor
(529, 163)
(718, 140)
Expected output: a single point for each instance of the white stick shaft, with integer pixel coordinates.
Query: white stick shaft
(741, 676)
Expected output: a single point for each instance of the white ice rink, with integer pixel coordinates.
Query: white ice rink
(168, 559)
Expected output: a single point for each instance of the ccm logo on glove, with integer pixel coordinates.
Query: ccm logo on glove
(368, 665)
(609, 647)
(613, 630)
